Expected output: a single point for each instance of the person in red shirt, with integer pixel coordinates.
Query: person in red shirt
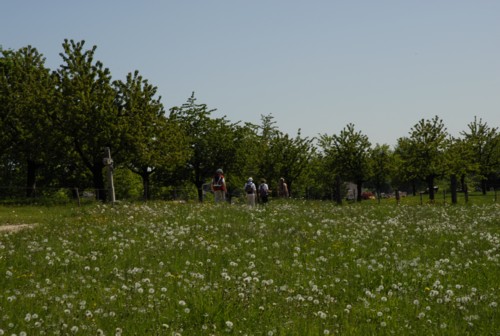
(219, 186)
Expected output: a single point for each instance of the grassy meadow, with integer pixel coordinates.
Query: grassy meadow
(290, 268)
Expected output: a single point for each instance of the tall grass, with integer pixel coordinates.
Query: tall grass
(291, 268)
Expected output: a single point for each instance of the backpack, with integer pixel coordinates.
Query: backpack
(262, 190)
(249, 188)
(218, 182)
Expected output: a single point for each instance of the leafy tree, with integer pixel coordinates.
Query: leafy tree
(266, 132)
(381, 160)
(5, 110)
(245, 162)
(424, 149)
(324, 180)
(405, 164)
(459, 163)
(27, 101)
(349, 153)
(88, 117)
(281, 155)
(484, 142)
(151, 141)
(291, 157)
(496, 173)
(211, 140)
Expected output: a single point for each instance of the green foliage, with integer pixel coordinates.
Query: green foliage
(282, 156)
(127, 185)
(87, 117)
(27, 101)
(150, 140)
(56, 124)
(422, 152)
(348, 155)
(211, 140)
(484, 144)
(382, 166)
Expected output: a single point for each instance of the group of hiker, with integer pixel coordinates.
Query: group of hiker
(253, 192)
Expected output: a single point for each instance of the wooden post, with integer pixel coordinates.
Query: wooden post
(109, 163)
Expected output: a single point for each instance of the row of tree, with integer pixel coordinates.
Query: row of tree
(56, 124)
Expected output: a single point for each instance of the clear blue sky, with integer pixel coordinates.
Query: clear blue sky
(315, 65)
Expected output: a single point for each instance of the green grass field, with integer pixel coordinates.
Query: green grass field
(291, 268)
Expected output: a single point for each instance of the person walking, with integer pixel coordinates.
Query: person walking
(283, 189)
(250, 191)
(263, 191)
(219, 186)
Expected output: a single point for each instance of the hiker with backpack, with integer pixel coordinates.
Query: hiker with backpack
(263, 191)
(251, 191)
(218, 186)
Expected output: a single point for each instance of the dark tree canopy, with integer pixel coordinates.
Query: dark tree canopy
(423, 151)
(55, 126)
(484, 142)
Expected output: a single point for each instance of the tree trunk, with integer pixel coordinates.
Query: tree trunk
(462, 182)
(338, 190)
(453, 187)
(199, 187)
(430, 186)
(198, 182)
(484, 186)
(359, 188)
(31, 178)
(145, 186)
(378, 191)
(98, 179)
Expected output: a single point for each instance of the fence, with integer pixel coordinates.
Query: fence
(68, 195)
(465, 197)
(63, 195)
